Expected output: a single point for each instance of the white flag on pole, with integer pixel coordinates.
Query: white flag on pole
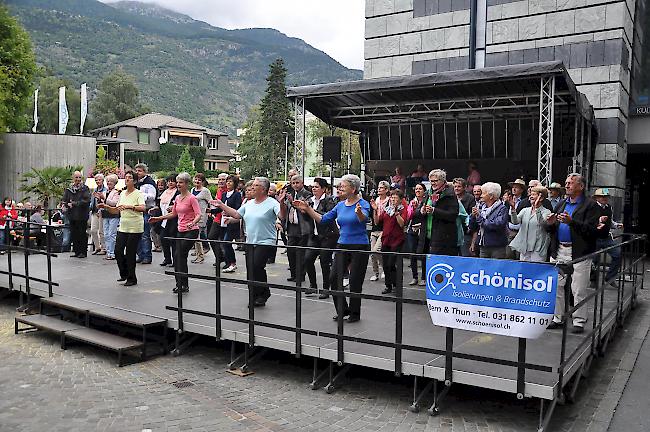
(63, 111)
(84, 107)
(35, 110)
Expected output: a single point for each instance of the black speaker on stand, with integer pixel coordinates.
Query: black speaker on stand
(331, 154)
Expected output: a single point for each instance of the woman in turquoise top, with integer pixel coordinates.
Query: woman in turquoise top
(351, 214)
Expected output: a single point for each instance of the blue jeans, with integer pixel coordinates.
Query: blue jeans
(65, 241)
(2, 239)
(144, 247)
(110, 234)
(614, 254)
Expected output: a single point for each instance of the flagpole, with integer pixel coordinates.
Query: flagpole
(84, 107)
(35, 110)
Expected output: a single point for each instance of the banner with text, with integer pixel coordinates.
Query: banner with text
(511, 298)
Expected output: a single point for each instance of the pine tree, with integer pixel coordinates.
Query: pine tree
(185, 163)
(275, 120)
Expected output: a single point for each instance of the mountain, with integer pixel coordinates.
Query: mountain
(183, 67)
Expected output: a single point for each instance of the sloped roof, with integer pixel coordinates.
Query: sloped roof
(156, 121)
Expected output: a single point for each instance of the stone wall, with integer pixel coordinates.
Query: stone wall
(401, 40)
(20, 152)
(592, 37)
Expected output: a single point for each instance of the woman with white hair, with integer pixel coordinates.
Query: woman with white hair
(110, 220)
(491, 222)
(532, 239)
(351, 214)
(96, 223)
(259, 215)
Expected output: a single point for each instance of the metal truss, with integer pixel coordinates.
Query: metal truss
(299, 142)
(454, 109)
(546, 117)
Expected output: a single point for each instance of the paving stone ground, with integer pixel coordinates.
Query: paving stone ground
(81, 389)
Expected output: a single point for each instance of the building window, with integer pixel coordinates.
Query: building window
(143, 137)
(213, 143)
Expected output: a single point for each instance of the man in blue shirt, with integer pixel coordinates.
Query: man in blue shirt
(573, 230)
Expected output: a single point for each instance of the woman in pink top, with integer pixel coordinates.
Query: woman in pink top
(186, 209)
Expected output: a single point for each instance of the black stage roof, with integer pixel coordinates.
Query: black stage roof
(506, 91)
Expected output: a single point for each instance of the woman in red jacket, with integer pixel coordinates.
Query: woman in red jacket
(7, 211)
(393, 219)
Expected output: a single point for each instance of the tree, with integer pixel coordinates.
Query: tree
(318, 129)
(47, 184)
(17, 68)
(254, 157)
(185, 163)
(118, 99)
(275, 119)
(48, 105)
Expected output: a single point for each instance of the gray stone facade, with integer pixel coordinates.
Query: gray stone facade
(592, 37)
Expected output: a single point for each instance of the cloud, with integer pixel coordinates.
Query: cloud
(333, 26)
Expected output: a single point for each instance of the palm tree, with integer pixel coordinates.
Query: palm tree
(47, 184)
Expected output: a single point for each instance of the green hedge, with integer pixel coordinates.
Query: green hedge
(167, 158)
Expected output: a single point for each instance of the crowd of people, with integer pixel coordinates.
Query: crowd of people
(441, 216)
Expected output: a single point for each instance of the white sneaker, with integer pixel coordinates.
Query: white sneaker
(383, 276)
(422, 282)
(374, 277)
(346, 282)
(413, 282)
(230, 269)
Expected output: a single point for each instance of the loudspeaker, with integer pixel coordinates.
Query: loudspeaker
(331, 149)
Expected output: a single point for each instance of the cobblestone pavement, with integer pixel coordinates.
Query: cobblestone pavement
(81, 389)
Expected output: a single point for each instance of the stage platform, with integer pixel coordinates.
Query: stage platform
(94, 280)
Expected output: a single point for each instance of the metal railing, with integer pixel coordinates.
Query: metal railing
(632, 266)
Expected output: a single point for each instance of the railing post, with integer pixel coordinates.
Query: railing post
(521, 368)
(48, 256)
(217, 291)
(26, 233)
(300, 253)
(250, 250)
(399, 296)
(340, 269)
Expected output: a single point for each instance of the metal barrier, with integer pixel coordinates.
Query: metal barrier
(632, 266)
(22, 231)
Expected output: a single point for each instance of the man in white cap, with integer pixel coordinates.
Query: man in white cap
(604, 236)
(573, 235)
(517, 188)
(555, 194)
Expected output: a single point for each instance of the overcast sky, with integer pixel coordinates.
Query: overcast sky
(333, 26)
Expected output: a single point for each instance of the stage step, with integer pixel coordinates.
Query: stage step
(101, 339)
(110, 328)
(134, 319)
(47, 323)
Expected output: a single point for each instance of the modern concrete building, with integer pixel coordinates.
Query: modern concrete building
(148, 131)
(601, 44)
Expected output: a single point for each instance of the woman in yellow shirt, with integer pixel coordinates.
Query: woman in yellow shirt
(131, 208)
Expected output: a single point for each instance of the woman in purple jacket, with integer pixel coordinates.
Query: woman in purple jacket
(491, 222)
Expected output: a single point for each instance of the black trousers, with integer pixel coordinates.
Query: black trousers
(413, 240)
(216, 233)
(78, 236)
(256, 258)
(389, 264)
(126, 260)
(309, 262)
(358, 263)
(180, 257)
(292, 254)
(168, 246)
